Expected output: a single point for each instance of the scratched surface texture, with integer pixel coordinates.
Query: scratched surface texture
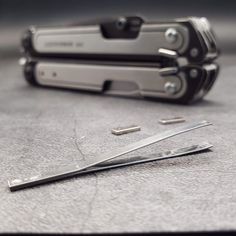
(46, 129)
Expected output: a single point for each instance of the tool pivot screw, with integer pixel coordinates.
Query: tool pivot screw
(171, 35)
(170, 88)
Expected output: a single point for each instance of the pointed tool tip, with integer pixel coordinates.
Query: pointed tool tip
(205, 122)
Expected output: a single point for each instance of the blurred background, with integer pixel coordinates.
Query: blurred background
(17, 15)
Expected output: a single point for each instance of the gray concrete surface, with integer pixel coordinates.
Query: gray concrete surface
(43, 129)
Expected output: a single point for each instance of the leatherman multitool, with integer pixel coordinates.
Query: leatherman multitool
(172, 61)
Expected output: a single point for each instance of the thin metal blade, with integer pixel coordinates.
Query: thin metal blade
(40, 179)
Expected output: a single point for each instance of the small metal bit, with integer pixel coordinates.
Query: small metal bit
(125, 130)
(173, 120)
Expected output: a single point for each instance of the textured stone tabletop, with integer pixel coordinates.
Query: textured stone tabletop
(44, 129)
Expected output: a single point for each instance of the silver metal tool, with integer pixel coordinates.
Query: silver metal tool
(193, 149)
(125, 130)
(173, 120)
(189, 37)
(85, 164)
(170, 61)
(183, 85)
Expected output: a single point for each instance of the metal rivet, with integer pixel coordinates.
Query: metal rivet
(121, 23)
(170, 88)
(193, 73)
(194, 52)
(171, 35)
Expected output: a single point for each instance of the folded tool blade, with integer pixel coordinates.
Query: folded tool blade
(83, 165)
